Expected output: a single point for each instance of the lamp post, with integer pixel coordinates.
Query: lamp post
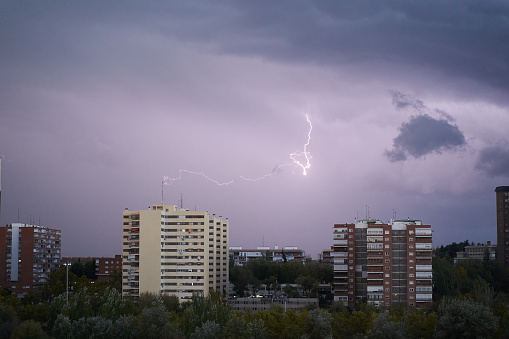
(67, 283)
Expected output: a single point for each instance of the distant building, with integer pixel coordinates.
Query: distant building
(174, 251)
(256, 304)
(477, 252)
(383, 264)
(289, 253)
(328, 256)
(0, 188)
(28, 254)
(72, 260)
(502, 201)
(105, 266)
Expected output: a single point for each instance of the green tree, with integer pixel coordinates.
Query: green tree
(8, 320)
(385, 328)
(465, 319)
(319, 324)
(89, 270)
(29, 329)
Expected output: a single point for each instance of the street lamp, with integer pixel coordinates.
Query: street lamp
(67, 264)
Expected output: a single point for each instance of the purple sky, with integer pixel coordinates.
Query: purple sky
(99, 101)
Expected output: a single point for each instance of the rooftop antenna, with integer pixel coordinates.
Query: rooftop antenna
(366, 211)
(162, 192)
(181, 200)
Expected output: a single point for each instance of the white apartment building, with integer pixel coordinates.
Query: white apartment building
(174, 251)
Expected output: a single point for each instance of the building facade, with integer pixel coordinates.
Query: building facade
(104, 266)
(28, 254)
(383, 264)
(477, 252)
(174, 251)
(289, 253)
(502, 201)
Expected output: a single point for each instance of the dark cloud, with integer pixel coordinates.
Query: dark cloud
(424, 135)
(494, 160)
(406, 101)
(463, 39)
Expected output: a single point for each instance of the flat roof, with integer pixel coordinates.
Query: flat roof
(502, 189)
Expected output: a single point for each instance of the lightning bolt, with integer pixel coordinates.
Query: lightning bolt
(218, 183)
(294, 156)
(304, 153)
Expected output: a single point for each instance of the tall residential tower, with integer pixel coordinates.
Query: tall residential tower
(383, 264)
(174, 251)
(28, 254)
(502, 197)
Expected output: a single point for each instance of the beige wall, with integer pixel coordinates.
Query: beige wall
(150, 251)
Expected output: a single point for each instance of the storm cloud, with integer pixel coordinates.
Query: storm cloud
(494, 160)
(424, 135)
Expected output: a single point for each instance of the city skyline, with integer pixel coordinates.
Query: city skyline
(99, 102)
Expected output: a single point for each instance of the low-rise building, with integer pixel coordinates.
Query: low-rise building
(477, 252)
(289, 253)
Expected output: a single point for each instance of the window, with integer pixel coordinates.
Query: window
(350, 261)
(387, 275)
(387, 239)
(411, 282)
(350, 280)
(387, 268)
(387, 253)
(411, 253)
(410, 239)
(386, 297)
(387, 290)
(350, 230)
(411, 297)
(350, 236)
(386, 232)
(387, 282)
(387, 260)
(411, 268)
(411, 289)
(411, 275)
(411, 260)
(411, 304)
(410, 246)
(387, 246)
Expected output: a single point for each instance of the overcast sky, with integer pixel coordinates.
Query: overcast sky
(408, 102)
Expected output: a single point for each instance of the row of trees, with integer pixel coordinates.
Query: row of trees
(248, 278)
(107, 315)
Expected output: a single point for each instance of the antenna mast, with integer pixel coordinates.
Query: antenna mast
(162, 192)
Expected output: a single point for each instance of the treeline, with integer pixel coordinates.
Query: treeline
(248, 278)
(107, 315)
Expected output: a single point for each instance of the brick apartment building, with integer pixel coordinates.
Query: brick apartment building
(28, 254)
(383, 264)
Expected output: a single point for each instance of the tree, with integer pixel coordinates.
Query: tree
(319, 324)
(384, 328)
(29, 329)
(208, 330)
(89, 270)
(77, 268)
(465, 319)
